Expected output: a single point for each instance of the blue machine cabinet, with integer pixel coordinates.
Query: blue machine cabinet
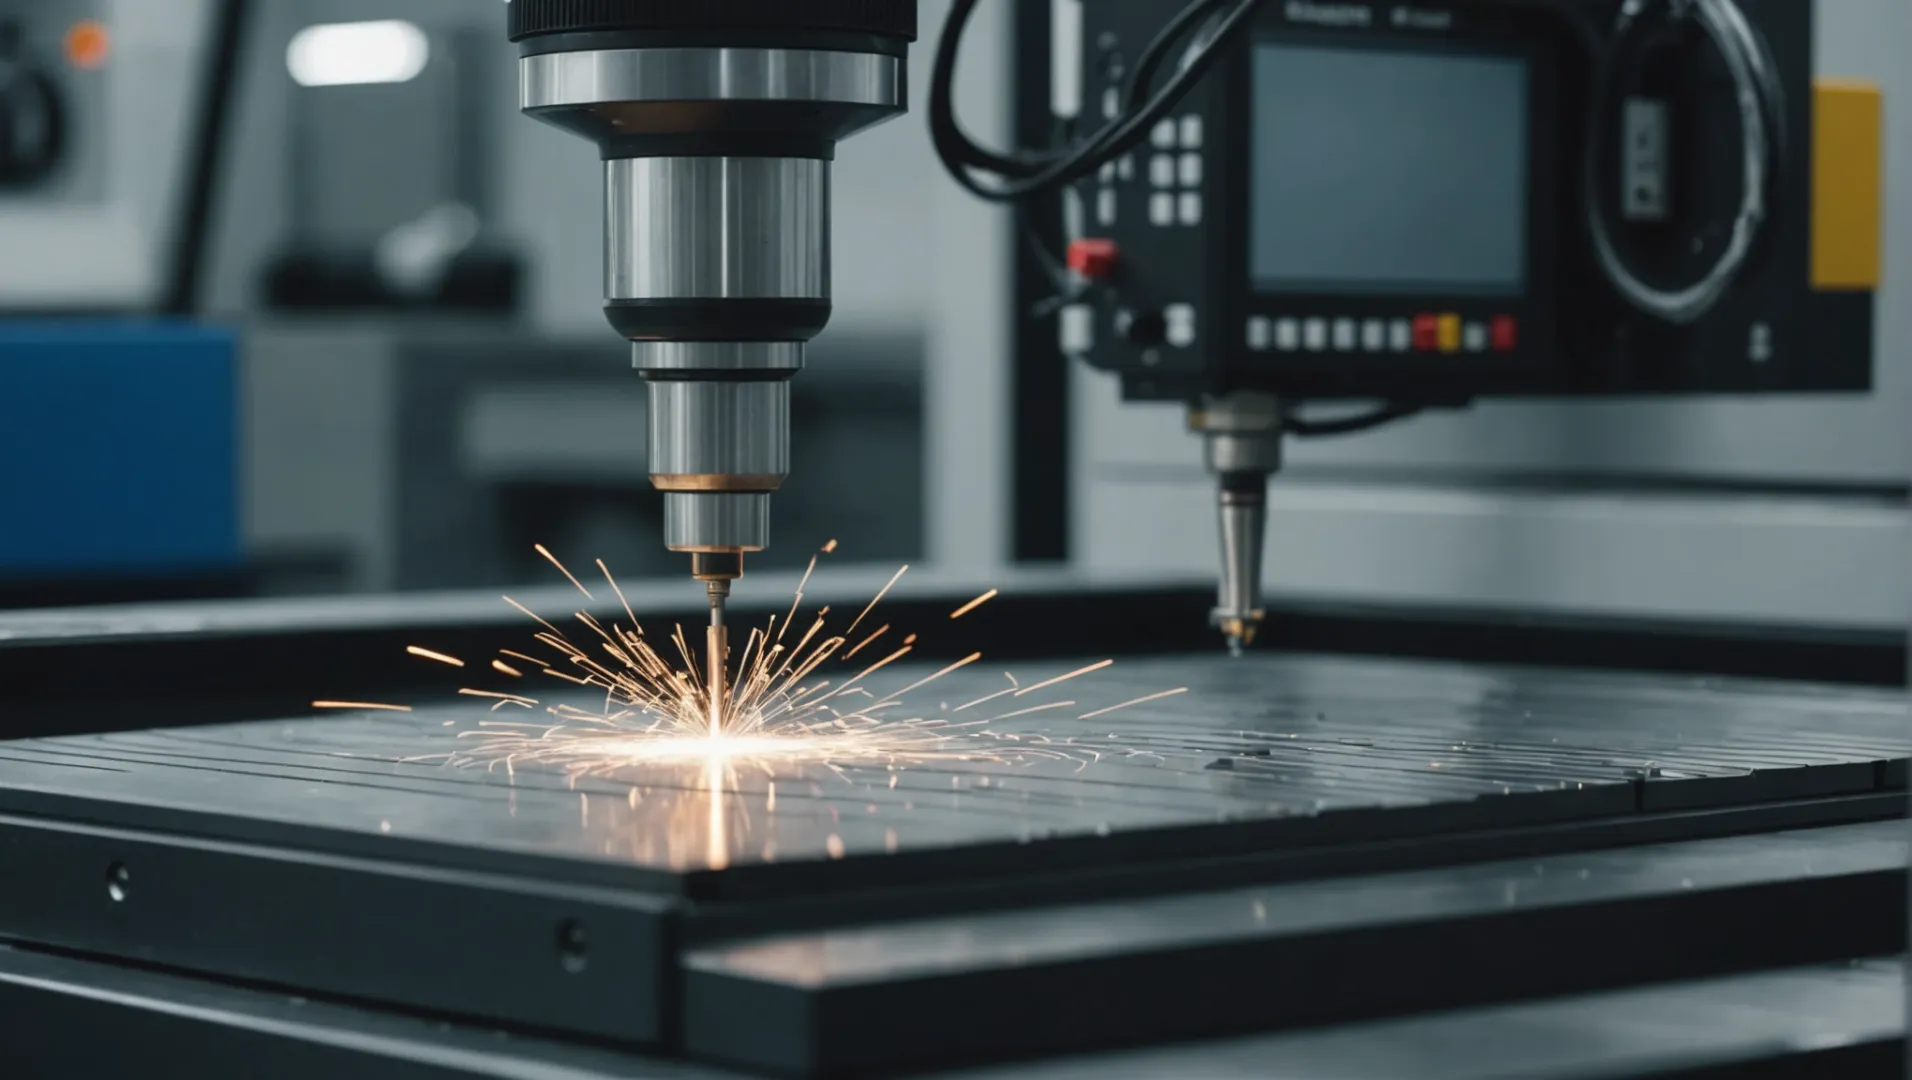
(119, 450)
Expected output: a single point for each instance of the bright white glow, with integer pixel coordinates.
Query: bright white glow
(704, 749)
(347, 54)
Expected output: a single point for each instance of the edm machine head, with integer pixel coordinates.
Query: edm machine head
(717, 122)
(1269, 202)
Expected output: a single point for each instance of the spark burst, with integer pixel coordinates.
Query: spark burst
(795, 699)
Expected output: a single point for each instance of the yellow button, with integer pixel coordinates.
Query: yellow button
(1450, 333)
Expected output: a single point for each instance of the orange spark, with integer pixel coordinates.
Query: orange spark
(540, 548)
(873, 602)
(876, 667)
(920, 683)
(519, 698)
(360, 705)
(620, 595)
(1033, 709)
(533, 614)
(829, 547)
(521, 656)
(866, 641)
(501, 666)
(1010, 689)
(973, 604)
(417, 650)
(1098, 666)
(1136, 701)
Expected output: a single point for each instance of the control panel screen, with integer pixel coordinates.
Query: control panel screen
(1378, 170)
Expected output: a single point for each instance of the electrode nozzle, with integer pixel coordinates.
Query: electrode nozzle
(1241, 436)
(717, 570)
(1243, 518)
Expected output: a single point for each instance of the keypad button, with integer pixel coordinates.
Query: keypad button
(1287, 334)
(1188, 208)
(1344, 335)
(1181, 324)
(1314, 333)
(1505, 333)
(1400, 335)
(1260, 332)
(1077, 329)
(1374, 335)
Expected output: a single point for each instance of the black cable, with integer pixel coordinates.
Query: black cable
(1295, 424)
(1021, 176)
(1157, 50)
(209, 140)
(1761, 105)
(1069, 286)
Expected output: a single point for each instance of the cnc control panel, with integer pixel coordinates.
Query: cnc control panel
(1392, 200)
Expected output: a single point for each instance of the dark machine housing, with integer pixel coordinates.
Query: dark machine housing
(1409, 202)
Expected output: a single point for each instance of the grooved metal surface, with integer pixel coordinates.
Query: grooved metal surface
(1256, 755)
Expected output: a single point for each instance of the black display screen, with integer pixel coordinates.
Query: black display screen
(1383, 170)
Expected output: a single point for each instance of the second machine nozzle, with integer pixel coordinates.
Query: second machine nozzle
(1241, 442)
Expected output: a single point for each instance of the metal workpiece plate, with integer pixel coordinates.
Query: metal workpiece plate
(1268, 753)
(345, 855)
(1844, 1021)
(905, 996)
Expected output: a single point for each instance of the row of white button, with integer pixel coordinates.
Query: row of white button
(1287, 335)
(1166, 208)
(1165, 170)
(1374, 335)
(1190, 130)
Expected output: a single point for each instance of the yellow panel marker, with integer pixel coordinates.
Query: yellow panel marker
(1847, 170)
(1450, 333)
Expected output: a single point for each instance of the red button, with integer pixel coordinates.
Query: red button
(1427, 333)
(1504, 332)
(1093, 258)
